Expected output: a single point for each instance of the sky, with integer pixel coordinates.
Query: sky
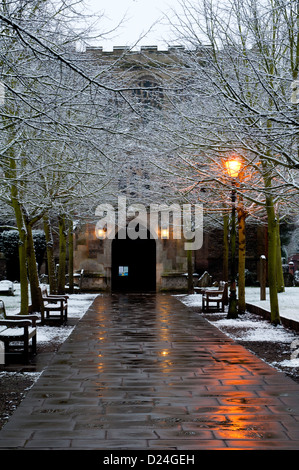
(140, 17)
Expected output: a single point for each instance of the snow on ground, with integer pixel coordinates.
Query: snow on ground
(288, 301)
(78, 304)
(250, 327)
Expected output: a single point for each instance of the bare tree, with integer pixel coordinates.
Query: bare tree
(59, 130)
(240, 60)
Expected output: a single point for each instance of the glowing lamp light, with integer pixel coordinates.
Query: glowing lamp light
(165, 233)
(101, 233)
(233, 167)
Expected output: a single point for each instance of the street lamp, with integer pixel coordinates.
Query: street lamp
(233, 167)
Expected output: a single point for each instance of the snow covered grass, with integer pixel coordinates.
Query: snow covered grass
(77, 306)
(288, 301)
(248, 327)
(253, 328)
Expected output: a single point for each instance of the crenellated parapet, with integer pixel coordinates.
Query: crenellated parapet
(98, 50)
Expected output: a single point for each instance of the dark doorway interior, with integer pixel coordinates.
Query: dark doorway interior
(133, 265)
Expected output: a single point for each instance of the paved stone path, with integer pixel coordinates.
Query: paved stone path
(145, 372)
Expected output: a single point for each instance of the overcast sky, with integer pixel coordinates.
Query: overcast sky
(140, 16)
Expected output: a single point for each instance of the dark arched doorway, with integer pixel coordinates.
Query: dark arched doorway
(133, 265)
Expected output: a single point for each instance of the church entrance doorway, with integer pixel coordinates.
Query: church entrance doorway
(133, 265)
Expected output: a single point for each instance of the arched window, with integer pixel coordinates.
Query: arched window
(149, 92)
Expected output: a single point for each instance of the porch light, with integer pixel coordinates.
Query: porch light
(101, 233)
(164, 233)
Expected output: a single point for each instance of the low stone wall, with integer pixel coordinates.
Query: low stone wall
(94, 282)
(176, 282)
(173, 282)
(287, 322)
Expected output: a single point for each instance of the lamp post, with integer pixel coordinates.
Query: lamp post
(233, 167)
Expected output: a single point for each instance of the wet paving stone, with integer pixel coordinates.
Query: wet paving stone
(146, 372)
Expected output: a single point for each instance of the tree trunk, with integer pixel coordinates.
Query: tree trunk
(272, 261)
(50, 255)
(280, 279)
(62, 254)
(23, 238)
(36, 300)
(22, 255)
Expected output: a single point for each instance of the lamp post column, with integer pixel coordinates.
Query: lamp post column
(232, 306)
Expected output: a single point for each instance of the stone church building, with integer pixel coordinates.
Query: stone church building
(152, 263)
(157, 260)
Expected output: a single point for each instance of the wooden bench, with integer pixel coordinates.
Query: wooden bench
(77, 280)
(7, 288)
(215, 298)
(54, 305)
(17, 331)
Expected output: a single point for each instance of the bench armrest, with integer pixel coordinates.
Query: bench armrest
(54, 299)
(15, 323)
(53, 296)
(213, 292)
(33, 318)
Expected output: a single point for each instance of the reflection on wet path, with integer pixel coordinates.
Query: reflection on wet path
(145, 372)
